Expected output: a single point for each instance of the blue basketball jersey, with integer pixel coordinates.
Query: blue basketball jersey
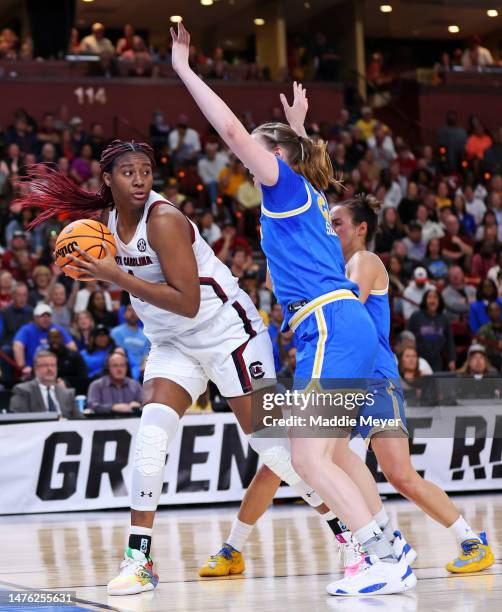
(378, 308)
(303, 252)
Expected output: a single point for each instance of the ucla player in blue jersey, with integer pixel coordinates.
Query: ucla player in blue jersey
(335, 335)
(355, 224)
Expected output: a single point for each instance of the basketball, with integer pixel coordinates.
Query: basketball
(89, 235)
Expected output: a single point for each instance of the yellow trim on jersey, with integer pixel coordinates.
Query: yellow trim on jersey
(321, 343)
(380, 291)
(289, 213)
(322, 300)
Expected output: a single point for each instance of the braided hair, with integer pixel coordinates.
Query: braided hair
(48, 189)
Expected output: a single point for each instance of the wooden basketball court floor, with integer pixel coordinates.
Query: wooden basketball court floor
(290, 557)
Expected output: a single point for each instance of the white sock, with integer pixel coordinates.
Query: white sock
(367, 532)
(374, 541)
(382, 519)
(137, 530)
(239, 533)
(462, 530)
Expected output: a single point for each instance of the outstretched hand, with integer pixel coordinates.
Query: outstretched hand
(296, 113)
(181, 46)
(90, 268)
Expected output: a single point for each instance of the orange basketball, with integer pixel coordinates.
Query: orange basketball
(89, 235)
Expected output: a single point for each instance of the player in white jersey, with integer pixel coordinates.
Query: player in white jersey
(215, 343)
(200, 323)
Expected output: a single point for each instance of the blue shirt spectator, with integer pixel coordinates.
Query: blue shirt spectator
(121, 315)
(131, 338)
(276, 318)
(478, 311)
(33, 336)
(283, 342)
(95, 355)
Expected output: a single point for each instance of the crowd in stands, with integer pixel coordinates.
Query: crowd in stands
(439, 235)
(309, 57)
(131, 55)
(473, 57)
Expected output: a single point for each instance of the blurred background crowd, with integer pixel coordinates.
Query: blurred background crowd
(128, 53)
(381, 78)
(439, 234)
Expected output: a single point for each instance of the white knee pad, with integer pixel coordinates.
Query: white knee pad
(275, 454)
(157, 429)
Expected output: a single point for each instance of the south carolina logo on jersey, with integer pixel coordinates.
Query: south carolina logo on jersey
(141, 245)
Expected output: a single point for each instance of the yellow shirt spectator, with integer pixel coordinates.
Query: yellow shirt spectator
(366, 127)
(231, 178)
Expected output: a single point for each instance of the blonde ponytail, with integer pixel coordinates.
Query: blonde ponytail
(307, 156)
(316, 165)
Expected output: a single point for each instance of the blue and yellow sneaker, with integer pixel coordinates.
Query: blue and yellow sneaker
(226, 561)
(136, 575)
(475, 555)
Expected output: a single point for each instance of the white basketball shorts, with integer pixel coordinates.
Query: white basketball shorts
(233, 350)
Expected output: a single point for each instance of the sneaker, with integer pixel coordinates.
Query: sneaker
(350, 553)
(475, 555)
(401, 546)
(376, 578)
(226, 561)
(136, 575)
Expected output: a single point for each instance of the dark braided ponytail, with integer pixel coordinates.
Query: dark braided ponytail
(47, 189)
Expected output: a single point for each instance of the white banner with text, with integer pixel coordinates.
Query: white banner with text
(86, 465)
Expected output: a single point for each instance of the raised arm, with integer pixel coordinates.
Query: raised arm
(296, 113)
(260, 162)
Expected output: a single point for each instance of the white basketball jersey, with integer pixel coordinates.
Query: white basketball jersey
(217, 284)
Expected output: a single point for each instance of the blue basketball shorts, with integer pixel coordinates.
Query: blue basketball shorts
(384, 410)
(335, 339)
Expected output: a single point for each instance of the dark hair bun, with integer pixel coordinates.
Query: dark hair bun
(364, 209)
(372, 202)
(368, 200)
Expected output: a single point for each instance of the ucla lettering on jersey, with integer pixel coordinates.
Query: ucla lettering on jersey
(303, 252)
(324, 208)
(137, 257)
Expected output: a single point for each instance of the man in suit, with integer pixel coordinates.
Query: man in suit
(44, 393)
